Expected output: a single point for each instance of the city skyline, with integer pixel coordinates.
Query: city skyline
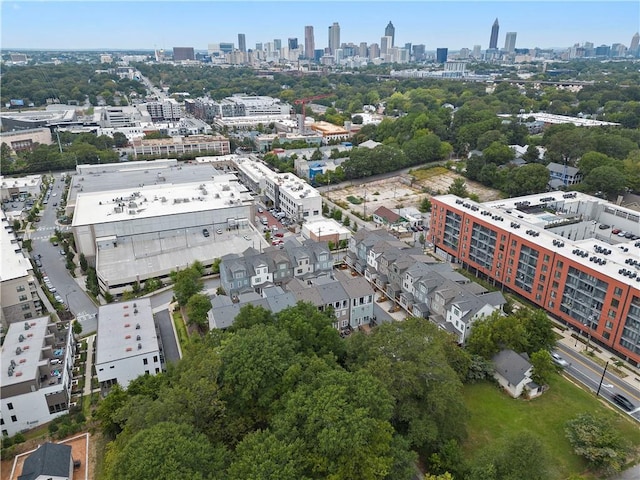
(449, 24)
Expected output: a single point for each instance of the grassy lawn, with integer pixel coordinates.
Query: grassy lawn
(181, 329)
(426, 173)
(493, 415)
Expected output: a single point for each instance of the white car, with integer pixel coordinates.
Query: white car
(247, 237)
(558, 360)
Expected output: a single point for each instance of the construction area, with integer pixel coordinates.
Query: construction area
(404, 191)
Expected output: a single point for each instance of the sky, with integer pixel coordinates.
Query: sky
(151, 24)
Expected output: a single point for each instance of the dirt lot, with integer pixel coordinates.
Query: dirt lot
(12, 469)
(406, 190)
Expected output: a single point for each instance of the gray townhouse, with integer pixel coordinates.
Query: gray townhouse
(254, 271)
(425, 287)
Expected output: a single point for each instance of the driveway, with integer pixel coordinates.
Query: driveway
(169, 343)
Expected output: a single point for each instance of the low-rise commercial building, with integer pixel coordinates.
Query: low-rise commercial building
(285, 191)
(37, 361)
(14, 188)
(559, 251)
(180, 145)
(128, 343)
(26, 140)
(146, 232)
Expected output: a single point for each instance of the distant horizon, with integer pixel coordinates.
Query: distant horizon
(151, 25)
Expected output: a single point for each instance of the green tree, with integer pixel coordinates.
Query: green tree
(263, 455)
(120, 140)
(197, 308)
(425, 205)
(598, 441)
(498, 153)
(410, 360)
(458, 187)
(187, 282)
(606, 179)
(167, 450)
(83, 263)
(77, 328)
(543, 367)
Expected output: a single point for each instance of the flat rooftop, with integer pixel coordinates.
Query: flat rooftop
(21, 182)
(13, 263)
(117, 176)
(120, 325)
(530, 225)
(26, 362)
(151, 258)
(160, 200)
(326, 226)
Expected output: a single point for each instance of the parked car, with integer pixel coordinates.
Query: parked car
(603, 227)
(623, 401)
(279, 235)
(219, 231)
(62, 252)
(38, 263)
(558, 360)
(616, 231)
(205, 232)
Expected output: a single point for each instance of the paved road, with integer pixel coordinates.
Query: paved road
(589, 374)
(169, 342)
(53, 264)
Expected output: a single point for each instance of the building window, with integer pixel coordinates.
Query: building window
(551, 304)
(155, 359)
(544, 268)
(10, 406)
(14, 418)
(22, 298)
(617, 291)
(145, 361)
(157, 370)
(612, 314)
(608, 325)
(20, 288)
(554, 284)
(146, 372)
(545, 258)
(28, 315)
(559, 264)
(542, 277)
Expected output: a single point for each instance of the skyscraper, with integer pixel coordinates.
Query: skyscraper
(183, 53)
(277, 44)
(334, 37)
(635, 43)
(477, 51)
(510, 42)
(242, 43)
(441, 55)
(385, 45)
(493, 41)
(390, 31)
(309, 42)
(292, 43)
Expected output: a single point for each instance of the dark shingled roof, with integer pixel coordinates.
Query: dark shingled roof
(51, 459)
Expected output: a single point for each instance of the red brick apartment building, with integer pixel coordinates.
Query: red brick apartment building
(574, 255)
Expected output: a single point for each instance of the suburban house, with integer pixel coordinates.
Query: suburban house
(562, 176)
(513, 373)
(51, 461)
(389, 218)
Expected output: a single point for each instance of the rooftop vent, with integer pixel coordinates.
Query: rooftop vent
(139, 346)
(137, 326)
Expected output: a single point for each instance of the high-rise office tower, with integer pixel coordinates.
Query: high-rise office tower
(183, 53)
(493, 41)
(510, 42)
(635, 43)
(390, 31)
(292, 43)
(334, 37)
(259, 47)
(477, 51)
(385, 45)
(441, 55)
(242, 43)
(374, 51)
(277, 44)
(419, 53)
(309, 42)
(363, 50)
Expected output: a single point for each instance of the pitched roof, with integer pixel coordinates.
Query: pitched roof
(50, 459)
(388, 215)
(559, 168)
(511, 365)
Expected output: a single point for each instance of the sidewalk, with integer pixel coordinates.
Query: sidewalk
(633, 373)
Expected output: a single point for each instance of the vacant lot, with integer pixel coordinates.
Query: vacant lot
(405, 190)
(495, 415)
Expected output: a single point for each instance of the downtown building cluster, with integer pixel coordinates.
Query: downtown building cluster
(338, 52)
